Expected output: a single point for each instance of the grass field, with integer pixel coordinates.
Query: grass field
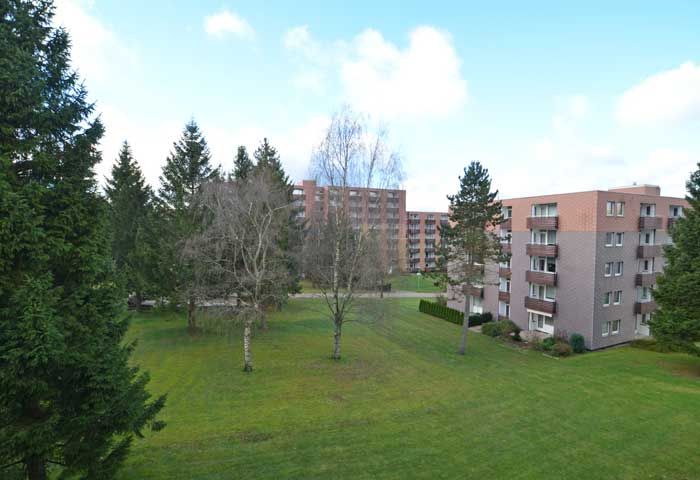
(404, 282)
(401, 404)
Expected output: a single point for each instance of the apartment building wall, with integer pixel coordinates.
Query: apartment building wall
(383, 209)
(422, 239)
(581, 254)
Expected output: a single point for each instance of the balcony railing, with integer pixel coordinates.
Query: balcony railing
(645, 279)
(649, 223)
(648, 251)
(506, 248)
(507, 224)
(644, 307)
(541, 278)
(504, 272)
(476, 291)
(542, 223)
(540, 305)
(540, 250)
(504, 296)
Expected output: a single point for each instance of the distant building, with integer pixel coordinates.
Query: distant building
(582, 262)
(423, 238)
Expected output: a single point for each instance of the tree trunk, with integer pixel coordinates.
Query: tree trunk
(247, 355)
(139, 301)
(263, 321)
(465, 326)
(36, 468)
(336, 340)
(191, 318)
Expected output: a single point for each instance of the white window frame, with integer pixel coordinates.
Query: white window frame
(619, 269)
(609, 239)
(620, 209)
(610, 209)
(616, 325)
(617, 297)
(619, 239)
(544, 210)
(607, 298)
(608, 269)
(605, 328)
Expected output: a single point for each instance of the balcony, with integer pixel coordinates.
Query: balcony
(476, 291)
(506, 248)
(414, 249)
(504, 272)
(504, 296)
(650, 223)
(541, 278)
(542, 223)
(645, 279)
(648, 251)
(644, 307)
(507, 224)
(540, 305)
(540, 250)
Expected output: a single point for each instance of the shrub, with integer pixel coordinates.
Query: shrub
(561, 349)
(441, 311)
(578, 344)
(441, 300)
(536, 344)
(509, 327)
(491, 329)
(486, 317)
(548, 344)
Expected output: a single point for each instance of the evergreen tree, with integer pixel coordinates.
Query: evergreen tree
(130, 199)
(242, 165)
(471, 242)
(677, 321)
(267, 158)
(68, 395)
(186, 168)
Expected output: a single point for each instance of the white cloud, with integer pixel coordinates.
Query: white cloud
(378, 77)
(666, 97)
(225, 22)
(96, 52)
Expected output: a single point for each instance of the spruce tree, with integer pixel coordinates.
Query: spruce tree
(677, 321)
(130, 200)
(267, 158)
(471, 242)
(242, 165)
(187, 167)
(68, 395)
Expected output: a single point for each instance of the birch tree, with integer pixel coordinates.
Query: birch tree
(238, 250)
(351, 155)
(471, 241)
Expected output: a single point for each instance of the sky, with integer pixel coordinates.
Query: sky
(549, 96)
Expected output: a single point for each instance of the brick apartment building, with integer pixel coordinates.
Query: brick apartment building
(384, 209)
(422, 239)
(581, 263)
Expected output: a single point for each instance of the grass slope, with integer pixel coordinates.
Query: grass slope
(401, 404)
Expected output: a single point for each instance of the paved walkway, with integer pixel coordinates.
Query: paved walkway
(396, 294)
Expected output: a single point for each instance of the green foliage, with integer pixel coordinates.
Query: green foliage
(578, 343)
(242, 165)
(548, 344)
(441, 311)
(561, 349)
(506, 329)
(131, 214)
(67, 391)
(476, 319)
(492, 329)
(665, 346)
(678, 289)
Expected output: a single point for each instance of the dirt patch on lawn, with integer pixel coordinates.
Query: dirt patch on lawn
(689, 369)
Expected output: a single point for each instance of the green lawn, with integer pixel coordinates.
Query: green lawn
(401, 404)
(404, 282)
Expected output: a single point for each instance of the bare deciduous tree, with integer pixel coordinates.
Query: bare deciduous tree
(238, 250)
(351, 155)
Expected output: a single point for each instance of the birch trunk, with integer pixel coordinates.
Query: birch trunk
(336, 340)
(247, 355)
(465, 326)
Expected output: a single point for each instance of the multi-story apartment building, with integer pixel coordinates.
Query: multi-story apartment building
(383, 209)
(422, 239)
(581, 263)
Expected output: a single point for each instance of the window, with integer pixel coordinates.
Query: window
(475, 305)
(609, 239)
(298, 191)
(608, 269)
(619, 239)
(646, 265)
(617, 300)
(544, 264)
(647, 237)
(620, 209)
(544, 237)
(503, 284)
(543, 292)
(541, 322)
(505, 264)
(610, 209)
(504, 309)
(606, 299)
(506, 236)
(618, 269)
(616, 326)
(544, 210)
(606, 329)
(507, 212)
(675, 211)
(644, 294)
(647, 210)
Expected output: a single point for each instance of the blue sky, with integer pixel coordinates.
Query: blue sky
(550, 96)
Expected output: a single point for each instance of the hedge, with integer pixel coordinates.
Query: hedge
(452, 315)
